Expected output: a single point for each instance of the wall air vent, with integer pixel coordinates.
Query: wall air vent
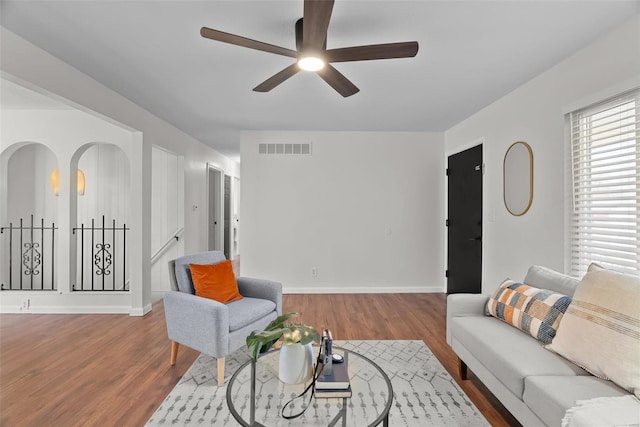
(304, 148)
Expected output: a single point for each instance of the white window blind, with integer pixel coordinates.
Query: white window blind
(606, 185)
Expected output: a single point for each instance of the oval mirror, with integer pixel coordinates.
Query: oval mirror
(518, 178)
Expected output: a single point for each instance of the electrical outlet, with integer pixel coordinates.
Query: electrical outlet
(314, 272)
(25, 304)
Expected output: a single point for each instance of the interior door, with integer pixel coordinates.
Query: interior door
(227, 217)
(214, 183)
(235, 218)
(464, 223)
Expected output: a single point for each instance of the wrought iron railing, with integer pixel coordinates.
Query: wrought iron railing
(31, 248)
(102, 256)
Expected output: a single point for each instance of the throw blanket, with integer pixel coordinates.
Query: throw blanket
(623, 411)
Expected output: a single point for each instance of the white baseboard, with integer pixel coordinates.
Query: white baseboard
(140, 311)
(362, 290)
(92, 309)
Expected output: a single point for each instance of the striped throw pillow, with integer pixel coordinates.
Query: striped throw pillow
(535, 311)
(601, 329)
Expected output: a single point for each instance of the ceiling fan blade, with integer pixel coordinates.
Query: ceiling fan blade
(221, 36)
(337, 81)
(373, 51)
(315, 22)
(277, 78)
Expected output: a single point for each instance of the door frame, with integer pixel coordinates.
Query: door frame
(459, 149)
(235, 217)
(218, 194)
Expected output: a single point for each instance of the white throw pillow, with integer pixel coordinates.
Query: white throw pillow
(600, 330)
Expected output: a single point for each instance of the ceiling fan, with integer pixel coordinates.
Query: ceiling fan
(311, 52)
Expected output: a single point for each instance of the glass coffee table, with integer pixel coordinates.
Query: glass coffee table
(369, 404)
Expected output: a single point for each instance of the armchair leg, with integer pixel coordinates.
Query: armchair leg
(174, 352)
(462, 369)
(220, 370)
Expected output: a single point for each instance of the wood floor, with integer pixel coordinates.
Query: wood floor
(113, 370)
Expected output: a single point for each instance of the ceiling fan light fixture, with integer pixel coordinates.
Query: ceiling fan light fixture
(311, 51)
(311, 63)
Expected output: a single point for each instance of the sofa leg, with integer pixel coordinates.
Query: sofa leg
(462, 369)
(174, 352)
(220, 370)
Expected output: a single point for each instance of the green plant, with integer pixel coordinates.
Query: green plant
(292, 333)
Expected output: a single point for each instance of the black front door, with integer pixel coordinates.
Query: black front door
(464, 236)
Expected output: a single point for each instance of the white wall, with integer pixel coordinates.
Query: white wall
(535, 113)
(28, 187)
(365, 210)
(29, 65)
(66, 133)
(167, 217)
(106, 171)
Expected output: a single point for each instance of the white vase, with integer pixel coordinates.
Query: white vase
(296, 363)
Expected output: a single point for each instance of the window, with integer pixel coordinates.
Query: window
(605, 224)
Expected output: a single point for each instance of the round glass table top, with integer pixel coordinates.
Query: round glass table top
(369, 404)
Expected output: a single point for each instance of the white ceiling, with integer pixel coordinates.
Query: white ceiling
(471, 53)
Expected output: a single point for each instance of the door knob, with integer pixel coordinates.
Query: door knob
(476, 238)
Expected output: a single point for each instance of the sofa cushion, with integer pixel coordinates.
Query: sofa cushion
(545, 278)
(535, 311)
(601, 328)
(247, 310)
(550, 396)
(510, 354)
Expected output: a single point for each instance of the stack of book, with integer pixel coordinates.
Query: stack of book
(335, 385)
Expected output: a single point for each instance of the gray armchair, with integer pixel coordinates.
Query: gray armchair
(208, 326)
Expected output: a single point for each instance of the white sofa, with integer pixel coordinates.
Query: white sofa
(536, 385)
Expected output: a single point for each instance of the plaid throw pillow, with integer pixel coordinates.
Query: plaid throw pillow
(535, 311)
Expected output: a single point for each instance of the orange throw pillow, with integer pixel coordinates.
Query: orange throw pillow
(215, 281)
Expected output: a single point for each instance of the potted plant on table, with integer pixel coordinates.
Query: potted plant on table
(296, 354)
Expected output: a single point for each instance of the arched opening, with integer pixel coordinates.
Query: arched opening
(29, 218)
(102, 215)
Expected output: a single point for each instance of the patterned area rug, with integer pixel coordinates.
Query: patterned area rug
(424, 392)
